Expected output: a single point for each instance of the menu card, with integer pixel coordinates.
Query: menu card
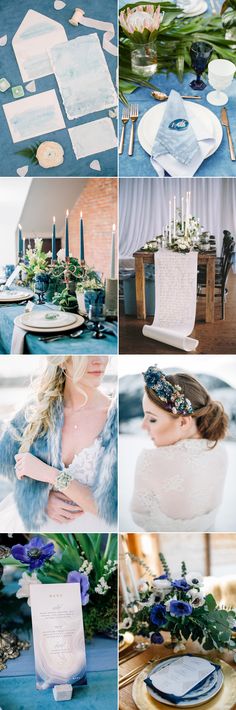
(58, 634)
(181, 675)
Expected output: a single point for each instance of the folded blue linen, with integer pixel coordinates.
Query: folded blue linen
(175, 134)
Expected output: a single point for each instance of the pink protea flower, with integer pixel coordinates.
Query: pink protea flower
(140, 19)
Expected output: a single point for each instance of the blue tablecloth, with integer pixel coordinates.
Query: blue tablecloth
(11, 16)
(217, 165)
(18, 691)
(84, 345)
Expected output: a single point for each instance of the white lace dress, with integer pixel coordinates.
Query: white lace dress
(83, 469)
(179, 488)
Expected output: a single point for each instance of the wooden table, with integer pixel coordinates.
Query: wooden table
(155, 651)
(207, 259)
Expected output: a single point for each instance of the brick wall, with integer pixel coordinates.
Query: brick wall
(98, 202)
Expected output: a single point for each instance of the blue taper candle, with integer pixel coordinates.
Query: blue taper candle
(20, 241)
(54, 251)
(67, 250)
(81, 237)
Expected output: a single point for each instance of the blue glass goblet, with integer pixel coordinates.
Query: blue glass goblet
(200, 53)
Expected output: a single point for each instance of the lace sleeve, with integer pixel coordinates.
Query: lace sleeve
(144, 495)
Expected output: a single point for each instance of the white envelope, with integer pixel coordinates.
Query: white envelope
(34, 116)
(36, 35)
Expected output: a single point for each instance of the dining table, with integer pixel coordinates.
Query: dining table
(219, 164)
(205, 258)
(159, 652)
(85, 344)
(18, 689)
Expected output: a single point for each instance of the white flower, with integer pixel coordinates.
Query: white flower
(61, 255)
(196, 598)
(195, 579)
(102, 586)
(49, 255)
(140, 18)
(50, 154)
(143, 586)
(24, 583)
(162, 584)
(126, 623)
(86, 567)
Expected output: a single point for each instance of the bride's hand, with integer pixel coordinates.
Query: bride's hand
(31, 467)
(60, 509)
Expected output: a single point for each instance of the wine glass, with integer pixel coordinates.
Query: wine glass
(97, 315)
(200, 53)
(220, 75)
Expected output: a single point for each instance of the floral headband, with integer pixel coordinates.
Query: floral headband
(170, 395)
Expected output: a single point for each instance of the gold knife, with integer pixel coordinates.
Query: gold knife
(225, 122)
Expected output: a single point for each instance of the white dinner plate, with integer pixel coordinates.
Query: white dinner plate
(15, 296)
(50, 326)
(150, 122)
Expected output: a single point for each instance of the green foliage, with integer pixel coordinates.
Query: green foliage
(30, 153)
(65, 300)
(175, 36)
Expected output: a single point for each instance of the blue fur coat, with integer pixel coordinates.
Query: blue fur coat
(31, 496)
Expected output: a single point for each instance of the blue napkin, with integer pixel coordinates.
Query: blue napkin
(175, 135)
(175, 698)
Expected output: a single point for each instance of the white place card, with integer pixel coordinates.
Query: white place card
(58, 634)
(34, 116)
(93, 137)
(182, 675)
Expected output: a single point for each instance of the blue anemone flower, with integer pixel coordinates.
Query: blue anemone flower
(181, 584)
(158, 614)
(178, 608)
(34, 553)
(82, 579)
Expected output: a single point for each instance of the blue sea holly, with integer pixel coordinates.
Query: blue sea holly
(179, 608)
(158, 614)
(34, 553)
(83, 580)
(181, 584)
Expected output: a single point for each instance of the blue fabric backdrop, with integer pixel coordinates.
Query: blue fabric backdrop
(11, 16)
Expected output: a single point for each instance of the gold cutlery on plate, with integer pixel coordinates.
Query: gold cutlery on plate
(124, 118)
(133, 114)
(160, 96)
(225, 122)
(128, 656)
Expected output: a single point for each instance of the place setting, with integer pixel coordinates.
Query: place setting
(184, 662)
(182, 119)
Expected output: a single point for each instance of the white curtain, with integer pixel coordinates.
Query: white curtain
(144, 207)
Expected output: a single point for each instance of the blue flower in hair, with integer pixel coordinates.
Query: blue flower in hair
(170, 395)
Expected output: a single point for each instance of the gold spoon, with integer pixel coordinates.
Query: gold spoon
(159, 96)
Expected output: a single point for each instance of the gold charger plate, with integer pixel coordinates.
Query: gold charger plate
(126, 641)
(224, 700)
(53, 328)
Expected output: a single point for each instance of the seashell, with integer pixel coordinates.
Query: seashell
(95, 165)
(159, 96)
(22, 171)
(3, 40)
(31, 86)
(59, 4)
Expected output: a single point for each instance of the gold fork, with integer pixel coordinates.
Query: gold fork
(129, 677)
(133, 115)
(125, 118)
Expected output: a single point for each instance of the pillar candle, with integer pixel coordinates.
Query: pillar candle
(54, 251)
(182, 214)
(132, 577)
(67, 250)
(113, 252)
(20, 241)
(169, 221)
(186, 216)
(189, 204)
(174, 217)
(23, 247)
(81, 237)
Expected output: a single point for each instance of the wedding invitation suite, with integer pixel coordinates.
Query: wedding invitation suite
(58, 634)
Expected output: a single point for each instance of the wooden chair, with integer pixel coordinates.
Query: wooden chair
(221, 276)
